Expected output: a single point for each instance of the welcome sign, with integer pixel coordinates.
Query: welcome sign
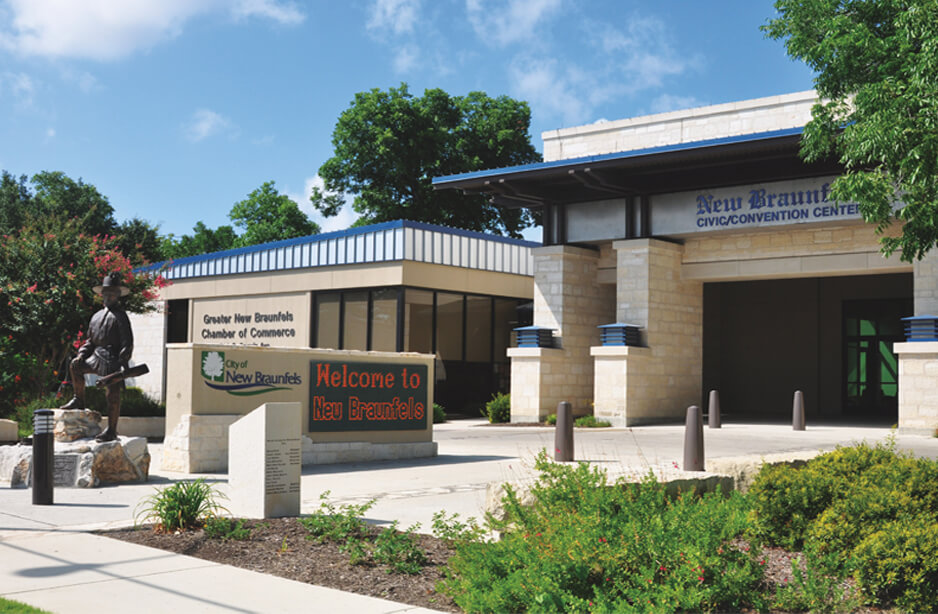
(365, 396)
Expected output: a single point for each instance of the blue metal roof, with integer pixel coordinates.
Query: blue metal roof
(388, 241)
(621, 155)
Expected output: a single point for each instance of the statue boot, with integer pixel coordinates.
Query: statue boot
(75, 403)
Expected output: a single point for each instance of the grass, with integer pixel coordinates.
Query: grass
(8, 606)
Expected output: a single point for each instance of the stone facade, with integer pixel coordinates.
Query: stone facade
(918, 387)
(685, 126)
(660, 382)
(569, 299)
(925, 295)
(149, 333)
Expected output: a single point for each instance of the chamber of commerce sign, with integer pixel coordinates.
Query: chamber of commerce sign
(359, 396)
(770, 204)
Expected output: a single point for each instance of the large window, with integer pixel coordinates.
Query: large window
(328, 314)
(449, 325)
(478, 329)
(355, 321)
(384, 319)
(418, 321)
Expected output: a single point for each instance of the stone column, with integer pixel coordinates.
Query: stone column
(925, 285)
(918, 387)
(659, 382)
(568, 299)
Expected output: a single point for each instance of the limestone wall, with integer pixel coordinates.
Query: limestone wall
(652, 294)
(149, 333)
(568, 298)
(685, 126)
(918, 387)
(925, 293)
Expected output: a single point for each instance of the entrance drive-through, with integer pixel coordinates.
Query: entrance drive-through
(830, 337)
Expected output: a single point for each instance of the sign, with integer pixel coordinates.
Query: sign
(276, 320)
(753, 206)
(240, 378)
(362, 396)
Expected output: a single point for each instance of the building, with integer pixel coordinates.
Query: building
(398, 286)
(704, 232)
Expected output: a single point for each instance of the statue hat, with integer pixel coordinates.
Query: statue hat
(112, 280)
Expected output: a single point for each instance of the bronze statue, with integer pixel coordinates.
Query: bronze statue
(106, 351)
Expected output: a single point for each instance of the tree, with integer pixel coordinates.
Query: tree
(877, 75)
(53, 193)
(140, 241)
(47, 274)
(266, 215)
(388, 145)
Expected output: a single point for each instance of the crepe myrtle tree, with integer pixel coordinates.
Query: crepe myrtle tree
(876, 64)
(388, 146)
(47, 274)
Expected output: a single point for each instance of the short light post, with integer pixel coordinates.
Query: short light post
(43, 456)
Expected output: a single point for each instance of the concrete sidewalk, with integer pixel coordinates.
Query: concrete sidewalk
(49, 559)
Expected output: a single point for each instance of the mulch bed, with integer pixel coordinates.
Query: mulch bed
(279, 547)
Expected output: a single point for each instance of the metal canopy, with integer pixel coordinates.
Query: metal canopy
(753, 158)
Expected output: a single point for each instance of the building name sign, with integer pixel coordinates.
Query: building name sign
(254, 327)
(360, 396)
(770, 204)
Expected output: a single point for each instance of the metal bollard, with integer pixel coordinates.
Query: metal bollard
(693, 440)
(713, 410)
(797, 412)
(563, 433)
(43, 456)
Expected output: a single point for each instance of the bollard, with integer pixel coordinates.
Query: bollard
(797, 412)
(43, 456)
(563, 433)
(713, 410)
(693, 440)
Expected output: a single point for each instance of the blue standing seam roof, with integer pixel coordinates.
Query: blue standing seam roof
(620, 155)
(336, 234)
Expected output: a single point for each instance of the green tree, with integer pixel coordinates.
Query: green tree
(266, 215)
(388, 145)
(53, 193)
(877, 75)
(140, 241)
(47, 274)
(203, 240)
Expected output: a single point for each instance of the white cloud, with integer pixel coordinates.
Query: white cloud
(406, 58)
(50, 134)
(205, 123)
(20, 85)
(550, 88)
(394, 16)
(85, 81)
(503, 25)
(345, 218)
(110, 30)
(286, 13)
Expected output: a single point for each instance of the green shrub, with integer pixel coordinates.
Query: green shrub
(898, 564)
(439, 413)
(785, 500)
(220, 527)
(551, 419)
(399, 550)
(499, 408)
(820, 586)
(340, 525)
(8, 606)
(590, 421)
(184, 505)
(586, 545)
(134, 402)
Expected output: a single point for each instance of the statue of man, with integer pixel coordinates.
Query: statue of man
(107, 350)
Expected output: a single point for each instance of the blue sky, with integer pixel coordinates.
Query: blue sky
(177, 109)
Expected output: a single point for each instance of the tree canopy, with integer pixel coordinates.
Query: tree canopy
(388, 146)
(264, 216)
(877, 75)
(53, 193)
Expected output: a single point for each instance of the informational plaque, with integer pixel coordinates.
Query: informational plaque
(264, 462)
(365, 396)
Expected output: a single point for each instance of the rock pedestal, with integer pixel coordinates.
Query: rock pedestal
(79, 460)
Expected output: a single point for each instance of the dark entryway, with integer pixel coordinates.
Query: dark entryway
(830, 337)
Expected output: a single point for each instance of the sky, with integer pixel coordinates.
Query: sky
(177, 109)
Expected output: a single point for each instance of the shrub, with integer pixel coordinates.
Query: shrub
(818, 585)
(898, 564)
(439, 413)
(551, 419)
(586, 545)
(590, 422)
(220, 527)
(339, 525)
(134, 402)
(184, 505)
(399, 550)
(499, 408)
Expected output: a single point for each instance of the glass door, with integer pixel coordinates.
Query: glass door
(871, 369)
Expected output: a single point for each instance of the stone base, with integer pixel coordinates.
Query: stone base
(9, 430)
(83, 463)
(199, 444)
(72, 424)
